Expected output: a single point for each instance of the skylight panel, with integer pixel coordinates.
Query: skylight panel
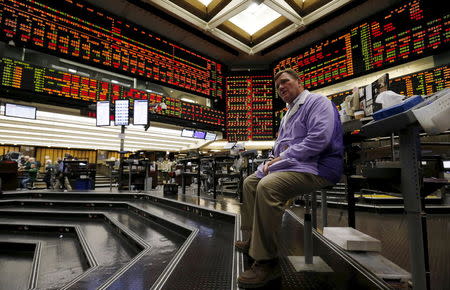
(254, 18)
(205, 2)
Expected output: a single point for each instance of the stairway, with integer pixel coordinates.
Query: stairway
(96, 241)
(102, 181)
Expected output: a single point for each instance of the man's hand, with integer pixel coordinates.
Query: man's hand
(268, 163)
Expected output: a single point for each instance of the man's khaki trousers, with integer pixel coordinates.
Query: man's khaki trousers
(263, 207)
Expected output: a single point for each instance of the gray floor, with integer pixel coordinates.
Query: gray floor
(15, 269)
(207, 248)
(389, 228)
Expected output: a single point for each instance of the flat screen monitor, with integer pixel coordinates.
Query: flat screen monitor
(187, 133)
(446, 165)
(210, 136)
(199, 134)
(121, 112)
(372, 92)
(20, 111)
(103, 113)
(140, 112)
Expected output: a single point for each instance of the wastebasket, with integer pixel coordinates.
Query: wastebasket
(83, 184)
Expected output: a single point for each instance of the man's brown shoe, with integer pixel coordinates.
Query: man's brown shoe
(242, 246)
(260, 274)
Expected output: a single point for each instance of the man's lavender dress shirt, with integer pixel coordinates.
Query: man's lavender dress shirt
(310, 139)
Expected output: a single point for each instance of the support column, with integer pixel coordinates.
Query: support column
(417, 228)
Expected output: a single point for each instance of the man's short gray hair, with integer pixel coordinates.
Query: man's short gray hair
(289, 71)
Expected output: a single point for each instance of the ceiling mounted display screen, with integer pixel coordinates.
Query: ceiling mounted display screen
(210, 136)
(187, 133)
(20, 111)
(412, 30)
(121, 112)
(102, 116)
(199, 134)
(77, 30)
(140, 112)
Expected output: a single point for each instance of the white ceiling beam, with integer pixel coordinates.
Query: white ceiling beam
(231, 40)
(180, 12)
(285, 10)
(324, 10)
(237, 6)
(276, 37)
(233, 8)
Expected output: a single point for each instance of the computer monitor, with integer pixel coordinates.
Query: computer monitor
(446, 164)
(187, 133)
(20, 111)
(371, 93)
(121, 112)
(103, 109)
(199, 134)
(140, 112)
(210, 136)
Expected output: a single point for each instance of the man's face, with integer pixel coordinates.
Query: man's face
(288, 87)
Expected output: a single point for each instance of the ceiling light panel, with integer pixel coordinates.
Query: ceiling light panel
(254, 18)
(52, 129)
(205, 2)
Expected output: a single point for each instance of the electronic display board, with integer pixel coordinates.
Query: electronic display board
(80, 31)
(412, 30)
(202, 114)
(210, 136)
(424, 82)
(23, 76)
(140, 112)
(20, 111)
(249, 107)
(121, 112)
(187, 133)
(199, 134)
(103, 112)
(278, 115)
(338, 98)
